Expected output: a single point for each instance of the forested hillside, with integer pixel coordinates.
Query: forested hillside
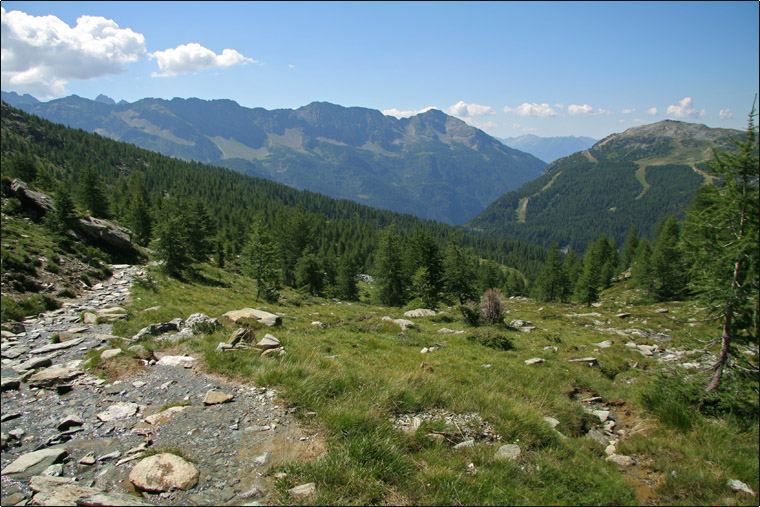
(431, 165)
(632, 179)
(143, 189)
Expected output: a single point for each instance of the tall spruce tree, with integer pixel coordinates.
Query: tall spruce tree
(629, 248)
(390, 270)
(552, 282)
(91, 194)
(667, 268)
(424, 266)
(459, 278)
(721, 235)
(346, 287)
(260, 261)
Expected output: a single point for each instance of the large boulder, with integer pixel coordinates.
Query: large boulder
(163, 472)
(52, 376)
(37, 202)
(250, 315)
(103, 231)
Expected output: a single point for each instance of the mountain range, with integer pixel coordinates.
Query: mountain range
(431, 165)
(633, 178)
(549, 149)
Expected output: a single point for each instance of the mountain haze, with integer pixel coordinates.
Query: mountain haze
(633, 178)
(431, 165)
(549, 149)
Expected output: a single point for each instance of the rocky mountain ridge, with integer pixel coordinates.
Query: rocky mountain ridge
(431, 165)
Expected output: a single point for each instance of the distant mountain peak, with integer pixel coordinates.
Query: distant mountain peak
(105, 99)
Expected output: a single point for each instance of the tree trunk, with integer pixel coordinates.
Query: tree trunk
(725, 341)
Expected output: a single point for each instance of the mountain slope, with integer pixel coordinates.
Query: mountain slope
(549, 149)
(431, 165)
(633, 178)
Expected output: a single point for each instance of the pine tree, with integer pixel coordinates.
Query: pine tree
(587, 288)
(668, 271)
(459, 276)
(91, 193)
(260, 259)
(721, 234)
(309, 274)
(424, 266)
(390, 273)
(641, 269)
(63, 217)
(629, 248)
(552, 284)
(172, 245)
(346, 286)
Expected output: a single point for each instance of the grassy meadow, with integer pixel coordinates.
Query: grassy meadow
(359, 373)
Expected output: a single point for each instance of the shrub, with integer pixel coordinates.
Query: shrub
(491, 338)
(470, 312)
(492, 306)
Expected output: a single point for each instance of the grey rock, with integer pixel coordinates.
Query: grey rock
(303, 490)
(249, 314)
(58, 346)
(508, 452)
(28, 460)
(118, 411)
(104, 231)
(535, 360)
(419, 312)
(268, 342)
(621, 460)
(184, 361)
(216, 397)
(465, 444)
(52, 376)
(737, 485)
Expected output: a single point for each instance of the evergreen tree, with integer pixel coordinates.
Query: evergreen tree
(24, 167)
(138, 209)
(424, 266)
(587, 288)
(295, 228)
(346, 286)
(668, 271)
(459, 276)
(641, 269)
(91, 193)
(489, 276)
(172, 246)
(573, 267)
(629, 248)
(201, 229)
(515, 285)
(63, 217)
(390, 273)
(551, 284)
(721, 233)
(260, 260)
(309, 274)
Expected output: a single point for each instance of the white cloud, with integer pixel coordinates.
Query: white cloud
(559, 106)
(41, 54)
(629, 111)
(291, 66)
(405, 114)
(652, 111)
(576, 110)
(603, 111)
(726, 114)
(534, 109)
(193, 57)
(464, 110)
(685, 109)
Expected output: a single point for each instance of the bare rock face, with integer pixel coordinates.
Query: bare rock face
(106, 232)
(40, 203)
(28, 460)
(163, 472)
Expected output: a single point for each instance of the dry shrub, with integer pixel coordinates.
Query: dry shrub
(492, 306)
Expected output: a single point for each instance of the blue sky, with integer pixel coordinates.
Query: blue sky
(510, 68)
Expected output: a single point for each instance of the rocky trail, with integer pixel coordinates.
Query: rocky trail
(70, 438)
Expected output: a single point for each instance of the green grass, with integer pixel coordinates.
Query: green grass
(360, 372)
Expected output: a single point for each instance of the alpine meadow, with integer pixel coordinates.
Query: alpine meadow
(369, 253)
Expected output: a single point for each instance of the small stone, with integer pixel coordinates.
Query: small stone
(740, 486)
(184, 361)
(241, 335)
(89, 318)
(110, 353)
(610, 450)
(268, 342)
(603, 345)
(216, 397)
(69, 421)
(262, 460)
(118, 411)
(603, 415)
(622, 315)
(466, 444)
(303, 489)
(419, 312)
(163, 416)
(551, 421)
(509, 451)
(88, 459)
(535, 360)
(436, 437)
(621, 460)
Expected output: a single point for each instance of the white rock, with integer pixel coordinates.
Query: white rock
(303, 489)
(163, 472)
(108, 354)
(740, 486)
(465, 444)
(184, 361)
(118, 411)
(535, 360)
(621, 460)
(419, 312)
(268, 342)
(603, 415)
